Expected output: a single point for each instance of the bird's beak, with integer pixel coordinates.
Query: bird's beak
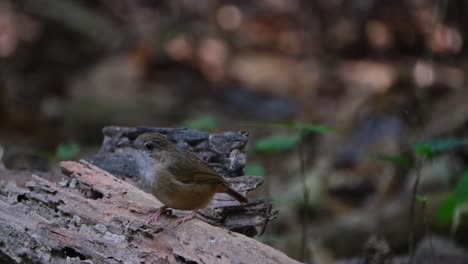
(125, 143)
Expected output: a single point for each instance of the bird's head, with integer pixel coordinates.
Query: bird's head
(150, 143)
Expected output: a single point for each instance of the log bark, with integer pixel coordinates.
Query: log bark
(95, 217)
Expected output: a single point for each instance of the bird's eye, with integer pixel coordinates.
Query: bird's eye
(149, 146)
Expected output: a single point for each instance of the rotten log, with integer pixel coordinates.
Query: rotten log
(94, 217)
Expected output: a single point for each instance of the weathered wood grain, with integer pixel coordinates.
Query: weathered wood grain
(94, 217)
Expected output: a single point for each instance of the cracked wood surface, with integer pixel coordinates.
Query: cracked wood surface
(94, 217)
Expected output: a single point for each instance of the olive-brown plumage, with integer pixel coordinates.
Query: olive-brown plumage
(178, 178)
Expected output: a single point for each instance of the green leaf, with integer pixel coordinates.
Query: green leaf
(446, 210)
(315, 128)
(422, 198)
(303, 127)
(454, 199)
(396, 159)
(424, 150)
(431, 147)
(461, 189)
(66, 151)
(277, 143)
(203, 122)
(255, 169)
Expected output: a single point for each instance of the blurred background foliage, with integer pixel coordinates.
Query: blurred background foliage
(349, 104)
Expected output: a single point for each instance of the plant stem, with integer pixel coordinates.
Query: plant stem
(426, 231)
(413, 209)
(305, 207)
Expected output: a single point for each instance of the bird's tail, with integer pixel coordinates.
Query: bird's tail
(239, 197)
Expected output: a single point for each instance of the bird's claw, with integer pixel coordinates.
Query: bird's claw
(186, 218)
(157, 215)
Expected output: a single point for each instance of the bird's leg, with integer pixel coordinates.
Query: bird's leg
(186, 218)
(155, 217)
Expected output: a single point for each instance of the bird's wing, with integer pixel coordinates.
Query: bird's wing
(206, 174)
(194, 170)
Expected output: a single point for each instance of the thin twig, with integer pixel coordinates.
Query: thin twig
(305, 190)
(427, 231)
(413, 209)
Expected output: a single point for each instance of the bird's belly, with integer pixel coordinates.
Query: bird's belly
(182, 196)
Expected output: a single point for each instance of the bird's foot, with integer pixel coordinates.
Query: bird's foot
(155, 217)
(186, 218)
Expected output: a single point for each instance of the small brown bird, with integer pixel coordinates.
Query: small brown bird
(178, 178)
